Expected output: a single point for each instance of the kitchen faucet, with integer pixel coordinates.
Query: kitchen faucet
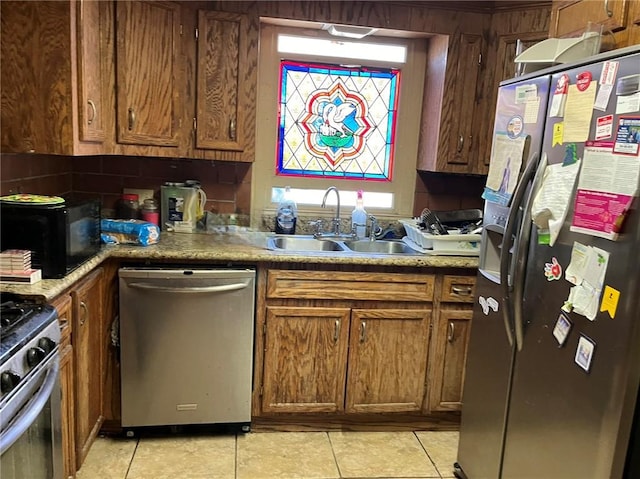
(336, 219)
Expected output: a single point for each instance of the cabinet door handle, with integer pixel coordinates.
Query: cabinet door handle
(460, 143)
(93, 112)
(132, 118)
(606, 9)
(232, 129)
(461, 291)
(336, 331)
(85, 312)
(452, 332)
(363, 331)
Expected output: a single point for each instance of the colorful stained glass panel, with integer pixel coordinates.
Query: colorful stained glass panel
(336, 121)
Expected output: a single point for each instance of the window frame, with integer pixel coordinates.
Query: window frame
(408, 127)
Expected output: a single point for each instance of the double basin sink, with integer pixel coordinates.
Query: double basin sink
(303, 243)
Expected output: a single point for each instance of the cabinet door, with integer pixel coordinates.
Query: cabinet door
(147, 72)
(222, 69)
(91, 77)
(305, 358)
(387, 360)
(461, 134)
(569, 17)
(88, 361)
(450, 340)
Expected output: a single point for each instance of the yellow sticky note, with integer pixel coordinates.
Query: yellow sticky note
(558, 134)
(610, 301)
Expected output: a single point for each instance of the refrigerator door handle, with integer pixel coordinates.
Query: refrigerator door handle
(522, 254)
(508, 243)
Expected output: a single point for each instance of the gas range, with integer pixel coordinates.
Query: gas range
(29, 333)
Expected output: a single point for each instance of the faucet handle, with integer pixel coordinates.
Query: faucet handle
(317, 225)
(374, 228)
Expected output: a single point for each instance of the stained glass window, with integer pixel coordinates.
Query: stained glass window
(336, 121)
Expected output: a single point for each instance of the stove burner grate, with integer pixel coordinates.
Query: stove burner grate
(12, 315)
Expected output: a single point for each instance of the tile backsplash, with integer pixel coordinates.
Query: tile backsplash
(227, 184)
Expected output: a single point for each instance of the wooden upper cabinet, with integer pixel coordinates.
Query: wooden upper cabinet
(571, 17)
(147, 73)
(450, 128)
(91, 74)
(634, 23)
(388, 351)
(53, 57)
(221, 72)
(461, 135)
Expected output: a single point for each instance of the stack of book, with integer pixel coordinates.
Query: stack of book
(15, 267)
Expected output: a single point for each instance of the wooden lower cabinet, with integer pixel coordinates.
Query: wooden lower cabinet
(448, 357)
(344, 342)
(305, 359)
(88, 360)
(388, 350)
(68, 412)
(63, 305)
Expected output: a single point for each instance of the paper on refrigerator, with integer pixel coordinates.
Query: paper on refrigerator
(504, 169)
(586, 271)
(551, 201)
(606, 188)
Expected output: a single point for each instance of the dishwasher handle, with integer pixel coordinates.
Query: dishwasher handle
(221, 288)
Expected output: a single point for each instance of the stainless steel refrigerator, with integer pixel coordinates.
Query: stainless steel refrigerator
(553, 366)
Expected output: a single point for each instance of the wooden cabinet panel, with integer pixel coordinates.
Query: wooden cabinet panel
(448, 358)
(571, 17)
(346, 285)
(450, 130)
(147, 73)
(221, 71)
(68, 411)
(461, 138)
(387, 360)
(91, 74)
(305, 357)
(458, 289)
(88, 358)
(52, 56)
(63, 305)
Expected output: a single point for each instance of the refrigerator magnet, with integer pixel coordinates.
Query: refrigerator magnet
(553, 270)
(584, 352)
(561, 329)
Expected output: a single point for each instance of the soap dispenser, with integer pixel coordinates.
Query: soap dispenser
(359, 218)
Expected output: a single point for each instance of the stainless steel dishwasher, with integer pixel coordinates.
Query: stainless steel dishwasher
(186, 346)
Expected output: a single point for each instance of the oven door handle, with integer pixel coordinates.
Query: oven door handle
(31, 410)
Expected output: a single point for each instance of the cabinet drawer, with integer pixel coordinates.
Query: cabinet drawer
(63, 307)
(347, 285)
(458, 289)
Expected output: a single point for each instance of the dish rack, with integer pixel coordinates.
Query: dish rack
(451, 244)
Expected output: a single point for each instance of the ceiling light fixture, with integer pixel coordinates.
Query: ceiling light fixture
(348, 31)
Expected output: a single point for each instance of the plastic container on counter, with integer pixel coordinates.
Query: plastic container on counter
(150, 211)
(128, 207)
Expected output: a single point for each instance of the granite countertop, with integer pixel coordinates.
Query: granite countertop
(245, 247)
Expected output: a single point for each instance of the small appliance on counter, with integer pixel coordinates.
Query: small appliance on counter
(182, 206)
(61, 233)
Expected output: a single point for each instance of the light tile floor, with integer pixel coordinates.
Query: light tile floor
(275, 455)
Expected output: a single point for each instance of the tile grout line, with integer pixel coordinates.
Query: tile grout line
(135, 449)
(235, 464)
(335, 459)
(427, 453)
